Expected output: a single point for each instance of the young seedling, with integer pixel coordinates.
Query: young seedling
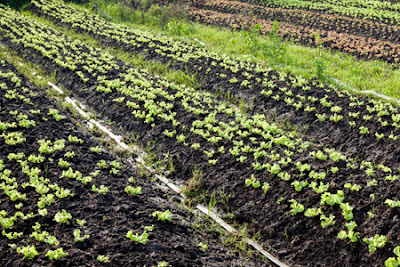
(321, 189)
(391, 178)
(326, 221)
(332, 199)
(372, 183)
(133, 191)
(101, 190)
(350, 234)
(12, 235)
(266, 187)
(312, 212)
(163, 216)
(299, 185)
(78, 237)
(62, 217)
(74, 139)
(296, 208)
(103, 258)
(347, 211)
(394, 262)
(253, 181)
(393, 203)
(96, 149)
(378, 241)
(353, 187)
(80, 222)
(63, 164)
(56, 254)
(29, 252)
(203, 247)
(142, 239)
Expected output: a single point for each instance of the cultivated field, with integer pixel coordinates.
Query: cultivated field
(308, 169)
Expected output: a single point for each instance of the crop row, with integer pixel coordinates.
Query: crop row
(215, 133)
(214, 12)
(386, 16)
(369, 4)
(62, 194)
(327, 22)
(326, 107)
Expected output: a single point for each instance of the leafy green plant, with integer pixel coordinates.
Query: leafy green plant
(203, 247)
(296, 208)
(12, 235)
(78, 237)
(63, 216)
(326, 221)
(36, 159)
(350, 234)
(74, 139)
(56, 254)
(80, 222)
(394, 262)
(353, 187)
(103, 258)
(55, 114)
(100, 190)
(45, 201)
(69, 154)
(393, 203)
(299, 185)
(391, 178)
(133, 191)
(29, 252)
(163, 216)
(265, 187)
(46, 146)
(375, 242)
(63, 193)
(142, 239)
(347, 211)
(364, 130)
(312, 212)
(372, 183)
(332, 199)
(321, 188)
(96, 149)
(102, 164)
(253, 182)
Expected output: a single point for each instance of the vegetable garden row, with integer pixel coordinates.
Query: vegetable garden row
(367, 121)
(370, 9)
(66, 199)
(364, 39)
(311, 203)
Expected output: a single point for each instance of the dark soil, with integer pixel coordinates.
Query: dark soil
(109, 217)
(295, 239)
(339, 135)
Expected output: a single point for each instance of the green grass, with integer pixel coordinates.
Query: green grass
(360, 75)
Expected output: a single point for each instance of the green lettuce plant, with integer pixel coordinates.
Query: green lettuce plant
(163, 216)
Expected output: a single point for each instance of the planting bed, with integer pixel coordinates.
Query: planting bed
(307, 104)
(364, 39)
(369, 10)
(312, 204)
(49, 165)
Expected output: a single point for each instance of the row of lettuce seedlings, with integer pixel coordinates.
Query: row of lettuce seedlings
(251, 139)
(321, 101)
(27, 179)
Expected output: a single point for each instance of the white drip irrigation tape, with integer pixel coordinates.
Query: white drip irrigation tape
(164, 180)
(366, 92)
